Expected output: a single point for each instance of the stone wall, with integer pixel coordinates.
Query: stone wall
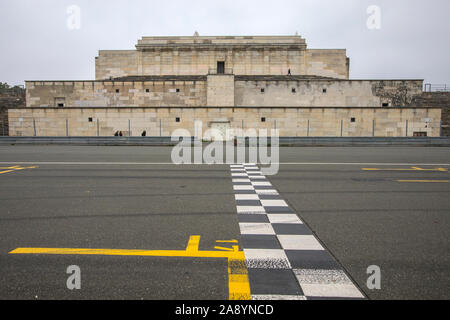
(220, 92)
(263, 91)
(198, 62)
(9, 98)
(381, 122)
(224, 91)
(116, 63)
(178, 93)
(263, 55)
(436, 99)
(327, 63)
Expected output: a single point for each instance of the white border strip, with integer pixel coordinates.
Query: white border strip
(200, 164)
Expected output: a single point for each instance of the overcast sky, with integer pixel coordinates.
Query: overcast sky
(412, 42)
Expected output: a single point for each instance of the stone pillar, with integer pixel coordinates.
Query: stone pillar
(220, 90)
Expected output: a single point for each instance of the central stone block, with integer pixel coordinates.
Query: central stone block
(220, 90)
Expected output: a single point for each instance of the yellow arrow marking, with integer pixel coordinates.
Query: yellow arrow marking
(222, 248)
(238, 283)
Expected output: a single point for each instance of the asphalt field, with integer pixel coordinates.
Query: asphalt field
(368, 206)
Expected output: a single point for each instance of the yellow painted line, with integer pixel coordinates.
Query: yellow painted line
(6, 171)
(238, 282)
(121, 252)
(193, 243)
(425, 181)
(15, 168)
(222, 248)
(227, 241)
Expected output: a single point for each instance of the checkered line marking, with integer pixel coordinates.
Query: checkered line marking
(285, 260)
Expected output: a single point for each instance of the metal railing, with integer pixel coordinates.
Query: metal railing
(436, 87)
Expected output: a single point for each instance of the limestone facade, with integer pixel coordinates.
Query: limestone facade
(223, 91)
(162, 121)
(169, 83)
(246, 55)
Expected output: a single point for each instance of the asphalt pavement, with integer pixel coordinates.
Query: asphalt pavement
(384, 206)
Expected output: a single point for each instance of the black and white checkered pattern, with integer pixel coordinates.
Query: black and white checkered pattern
(284, 258)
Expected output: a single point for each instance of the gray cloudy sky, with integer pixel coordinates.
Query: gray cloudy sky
(413, 41)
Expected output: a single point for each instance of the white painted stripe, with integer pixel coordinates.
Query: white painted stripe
(316, 276)
(299, 242)
(284, 218)
(261, 183)
(266, 259)
(239, 175)
(206, 164)
(250, 210)
(331, 290)
(240, 188)
(268, 191)
(359, 164)
(276, 297)
(246, 197)
(241, 180)
(256, 228)
(258, 177)
(326, 283)
(274, 203)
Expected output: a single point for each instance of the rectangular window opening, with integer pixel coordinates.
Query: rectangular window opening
(263, 119)
(177, 119)
(220, 67)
